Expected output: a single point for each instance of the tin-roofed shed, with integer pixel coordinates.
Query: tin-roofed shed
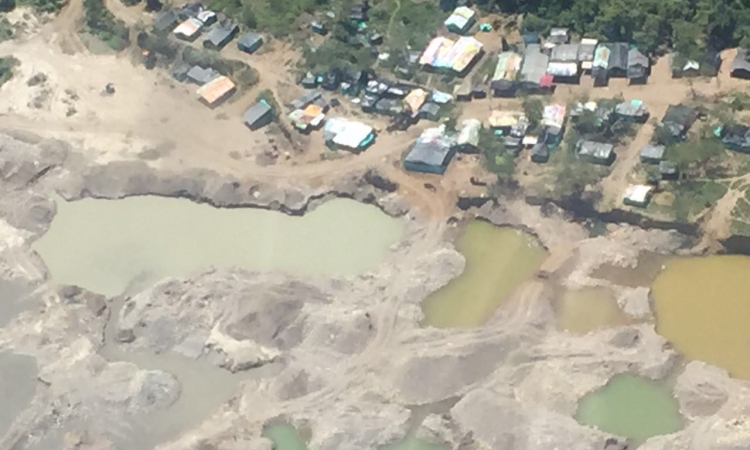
(250, 42)
(676, 122)
(534, 69)
(595, 152)
(652, 154)
(165, 21)
(221, 34)
(565, 53)
(632, 111)
(431, 153)
(618, 59)
(216, 91)
(639, 67)
(741, 64)
(304, 100)
(429, 111)
(200, 75)
(258, 115)
(736, 137)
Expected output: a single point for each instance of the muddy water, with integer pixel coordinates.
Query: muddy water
(412, 443)
(703, 307)
(585, 310)
(104, 244)
(284, 437)
(17, 387)
(633, 407)
(498, 260)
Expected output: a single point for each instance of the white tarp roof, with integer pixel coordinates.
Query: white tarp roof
(637, 193)
(460, 18)
(469, 133)
(347, 133)
(562, 69)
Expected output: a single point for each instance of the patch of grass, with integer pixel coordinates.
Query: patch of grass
(7, 66)
(694, 154)
(102, 23)
(406, 23)
(692, 197)
(741, 228)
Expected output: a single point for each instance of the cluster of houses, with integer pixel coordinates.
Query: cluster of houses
(192, 20)
(308, 113)
(188, 23)
(537, 68)
(672, 128)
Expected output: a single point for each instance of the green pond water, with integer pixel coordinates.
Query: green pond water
(585, 310)
(703, 307)
(498, 260)
(284, 437)
(103, 245)
(633, 407)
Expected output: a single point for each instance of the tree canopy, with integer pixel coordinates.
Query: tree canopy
(647, 23)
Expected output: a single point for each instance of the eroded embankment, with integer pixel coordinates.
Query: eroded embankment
(350, 352)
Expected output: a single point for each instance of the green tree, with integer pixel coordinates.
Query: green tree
(533, 108)
(496, 159)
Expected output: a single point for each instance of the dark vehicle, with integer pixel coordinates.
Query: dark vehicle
(319, 28)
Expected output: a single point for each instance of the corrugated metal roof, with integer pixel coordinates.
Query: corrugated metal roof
(256, 112)
(742, 60)
(216, 89)
(565, 53)
(432, 147)
(534, 64)
(188, 28)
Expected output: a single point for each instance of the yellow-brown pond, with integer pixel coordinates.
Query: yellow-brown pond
(583, 310)
(498, 260)
(703, 307)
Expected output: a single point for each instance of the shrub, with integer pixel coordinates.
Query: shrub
(7, 66)
(103, 24)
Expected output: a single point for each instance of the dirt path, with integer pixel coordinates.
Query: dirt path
(618, 179)
(64, 29)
